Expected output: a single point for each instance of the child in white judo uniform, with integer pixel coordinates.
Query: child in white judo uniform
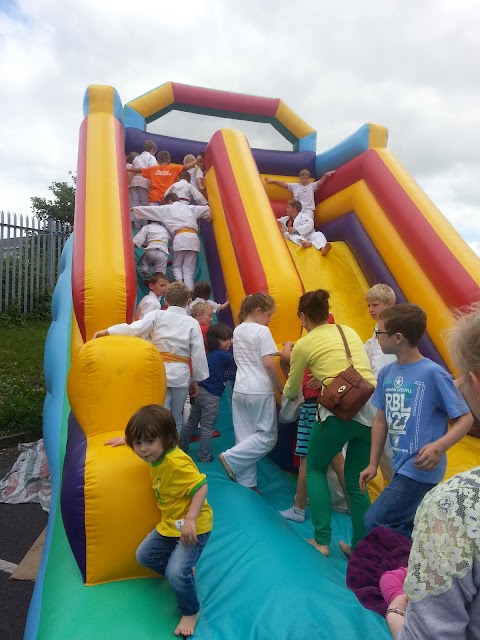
(253, 403)
(157, 284)
(298, 228)
(304, 190)
(185, 191)
(181, 220)
(179, 339)
(155, 237)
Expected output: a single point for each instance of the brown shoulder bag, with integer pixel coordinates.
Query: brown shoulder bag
(348, 392)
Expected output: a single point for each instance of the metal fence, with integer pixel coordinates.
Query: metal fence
(30, 252)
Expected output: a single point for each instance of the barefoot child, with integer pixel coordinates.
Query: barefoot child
(253, 403)
(174, 547)
(298, 228)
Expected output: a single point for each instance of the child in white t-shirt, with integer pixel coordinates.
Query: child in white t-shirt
(140, 186)
(303, 190)
(253, 404)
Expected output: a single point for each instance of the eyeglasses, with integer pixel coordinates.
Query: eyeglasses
(377, 333)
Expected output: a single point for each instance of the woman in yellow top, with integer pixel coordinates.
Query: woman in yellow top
(323, 352)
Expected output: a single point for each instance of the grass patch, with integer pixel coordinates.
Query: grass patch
(22, 389)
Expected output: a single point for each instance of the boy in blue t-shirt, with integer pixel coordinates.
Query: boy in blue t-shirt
(205, 409)
(415, 398)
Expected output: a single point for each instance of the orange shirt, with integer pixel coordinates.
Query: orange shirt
(161, 177)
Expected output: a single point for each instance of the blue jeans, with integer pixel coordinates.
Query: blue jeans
(397, 504)
(171, 558)
(205, 410)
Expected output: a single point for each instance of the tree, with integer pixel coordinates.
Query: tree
(62, 206)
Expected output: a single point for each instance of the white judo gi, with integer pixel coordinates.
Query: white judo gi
(186, 192)
(303, 224)
(181, 220)
(156, 238)
(179, 339)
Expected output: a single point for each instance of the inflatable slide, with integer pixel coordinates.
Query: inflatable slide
(257, 577)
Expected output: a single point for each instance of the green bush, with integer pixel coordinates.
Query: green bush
(22, 389)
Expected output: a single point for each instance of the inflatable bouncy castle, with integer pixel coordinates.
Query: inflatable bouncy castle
(257, 578)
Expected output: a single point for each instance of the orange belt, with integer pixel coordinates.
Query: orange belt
(172, 357)
(185, 230)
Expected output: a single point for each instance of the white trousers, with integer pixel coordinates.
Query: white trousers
(317, 238)
(154, 260)
(184, 264)
(138, 196)
(255, 426)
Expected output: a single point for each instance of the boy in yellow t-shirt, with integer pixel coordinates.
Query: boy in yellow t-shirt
(173, 548)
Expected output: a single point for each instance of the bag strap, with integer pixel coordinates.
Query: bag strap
(345, 344)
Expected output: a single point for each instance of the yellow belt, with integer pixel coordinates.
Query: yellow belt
(160, 241)
(185, 230)
(172, 357)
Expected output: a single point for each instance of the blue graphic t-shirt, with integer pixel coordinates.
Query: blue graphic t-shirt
(418, 399)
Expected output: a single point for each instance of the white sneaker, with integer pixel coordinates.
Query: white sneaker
(294, 513)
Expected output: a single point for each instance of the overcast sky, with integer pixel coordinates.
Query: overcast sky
(403, 64)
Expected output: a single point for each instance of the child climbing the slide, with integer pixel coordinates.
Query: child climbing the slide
(174, 547)
(253, 403)
(157, 284)
(304, 190)
(179, 339)
(201, 293)
(222, 368)
(298, 227)
(185, 191)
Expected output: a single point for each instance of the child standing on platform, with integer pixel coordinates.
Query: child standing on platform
(205, 410)
(304, 190)
(253, 404)
(174, 547)
(140, 185)
(178, 338)
(161, 177)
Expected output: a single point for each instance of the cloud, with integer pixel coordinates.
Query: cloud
(407, 66)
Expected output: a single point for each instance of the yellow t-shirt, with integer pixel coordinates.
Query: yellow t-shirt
(175, 480)
(323, 352)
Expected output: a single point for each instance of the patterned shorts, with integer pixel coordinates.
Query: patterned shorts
(308, 413)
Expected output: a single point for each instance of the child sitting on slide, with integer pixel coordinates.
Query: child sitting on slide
(298, 228)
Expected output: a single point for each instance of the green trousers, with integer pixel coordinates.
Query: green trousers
(326, 440)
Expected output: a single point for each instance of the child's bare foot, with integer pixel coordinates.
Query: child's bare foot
(227, 467)
(346, 548)
(186, 626)
(306, 244)
(323, 548)
(326, 249)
